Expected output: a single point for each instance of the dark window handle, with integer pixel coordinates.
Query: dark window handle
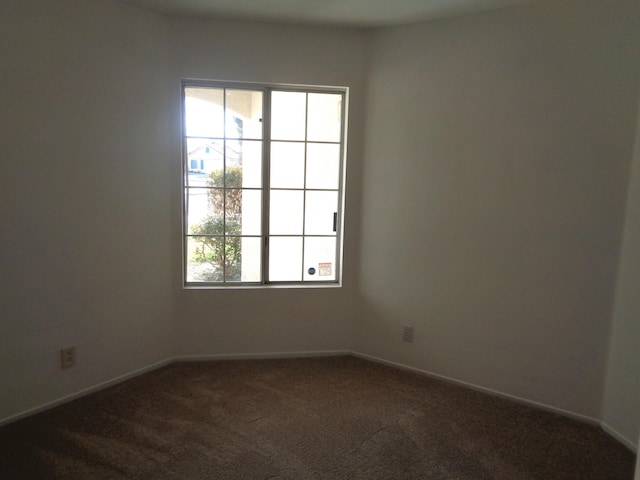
(335, 221)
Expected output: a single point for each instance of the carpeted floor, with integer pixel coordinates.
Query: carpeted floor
(336, 418)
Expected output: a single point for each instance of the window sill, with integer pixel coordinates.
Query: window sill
(270, 286)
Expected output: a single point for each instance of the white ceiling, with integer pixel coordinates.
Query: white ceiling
(353, 13)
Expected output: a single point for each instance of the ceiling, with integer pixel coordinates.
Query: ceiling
(351, 13)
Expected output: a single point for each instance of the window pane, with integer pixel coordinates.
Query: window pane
(202, 217)
(287, 165)
(232, 259)
(285, 217)
(320, 208)
(319, 258)
(325, 113)
(233, 211)
(243, 212)
(243, 164)
(249, 154)
(285, 259)
(251, 259)
(244, 114)
(233, 161)
(204, 157)
(204, 259)
(239, 257)
(323, 165)
(204, 112)
(288, 112)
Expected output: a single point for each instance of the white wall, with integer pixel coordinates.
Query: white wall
(497, 153)
(84, 202)
(622, 393)
(216, 322)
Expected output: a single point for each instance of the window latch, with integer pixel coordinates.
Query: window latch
(335, 221)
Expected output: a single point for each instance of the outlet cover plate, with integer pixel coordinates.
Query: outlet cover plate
(68, 357)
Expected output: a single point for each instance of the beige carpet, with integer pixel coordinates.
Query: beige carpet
(320, 418)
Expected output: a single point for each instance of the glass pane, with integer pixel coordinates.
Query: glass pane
(233, 211)
(285, 259)
(238, 257)
(204, 112)
(244, 163)
(324, 119)
(204, 259)
(288, 112)
(232, 259)
(205, 162)
(251, 259)
(287, 165)
(202, 217)
(244, 114)
(285, 214)
(319, 258)
(233, 164)
(319, 212)
(243, 212)
(323, 165)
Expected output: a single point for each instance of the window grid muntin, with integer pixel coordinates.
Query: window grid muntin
(266, 91)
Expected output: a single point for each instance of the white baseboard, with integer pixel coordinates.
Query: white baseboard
(84, 392)
(490, 391)
(261, 356)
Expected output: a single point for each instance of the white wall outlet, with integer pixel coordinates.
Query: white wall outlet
(407, 334)
(68, 357)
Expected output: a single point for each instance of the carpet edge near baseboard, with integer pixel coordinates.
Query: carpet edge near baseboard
(496, 393)
(84, 392)
(321, 353)
(149, 368)
(261, 356)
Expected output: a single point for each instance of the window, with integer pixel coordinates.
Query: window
(265, 206)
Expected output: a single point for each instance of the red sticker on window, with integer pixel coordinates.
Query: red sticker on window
(324, 269)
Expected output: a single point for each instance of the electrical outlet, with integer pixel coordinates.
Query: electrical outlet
(68, 357)
(407, 334)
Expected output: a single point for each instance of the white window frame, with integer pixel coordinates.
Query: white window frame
(266, 89)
